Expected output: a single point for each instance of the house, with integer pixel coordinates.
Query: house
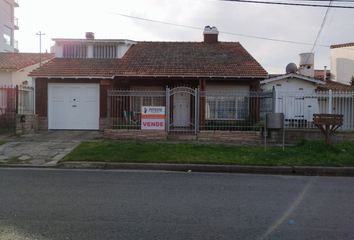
(8, 25)
(302, 92)
(15, 85)
(294, 92)
(73, 90)
(342, 63)
(15, 67)
(294, 96)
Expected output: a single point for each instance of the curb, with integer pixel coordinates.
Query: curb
(275, 170)
(6, 165)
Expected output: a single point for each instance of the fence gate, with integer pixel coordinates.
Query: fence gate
(8, 108)
(182, 110)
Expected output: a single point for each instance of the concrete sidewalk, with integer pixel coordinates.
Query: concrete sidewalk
(42, 149)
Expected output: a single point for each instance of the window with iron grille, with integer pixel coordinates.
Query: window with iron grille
(226, 108)
(74, 51)
(105, 51)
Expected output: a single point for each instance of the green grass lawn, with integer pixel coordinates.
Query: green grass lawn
(310, 153)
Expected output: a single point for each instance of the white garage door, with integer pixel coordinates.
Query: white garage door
(73, 106)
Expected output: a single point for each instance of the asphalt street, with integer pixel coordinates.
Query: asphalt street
(49, 204)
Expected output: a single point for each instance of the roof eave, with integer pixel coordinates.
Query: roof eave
(188, 76)
(118, 41)
(293, 75)
(74, 77)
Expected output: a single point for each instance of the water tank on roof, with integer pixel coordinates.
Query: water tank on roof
(307, 59)
(307, 65)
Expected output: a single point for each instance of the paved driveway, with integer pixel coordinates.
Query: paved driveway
(44, 148)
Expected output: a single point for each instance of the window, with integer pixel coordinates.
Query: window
(7, 36)
(226, 108)
(7, 39)
(74, 51)
(104, 51)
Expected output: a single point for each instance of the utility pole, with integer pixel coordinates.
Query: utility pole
(40, 34)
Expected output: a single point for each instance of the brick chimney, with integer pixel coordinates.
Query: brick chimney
(90, 35)
(210, 34)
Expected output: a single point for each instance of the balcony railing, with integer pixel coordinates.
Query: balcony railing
(16, 23)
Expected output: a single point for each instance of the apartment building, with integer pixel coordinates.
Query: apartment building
(8, 25)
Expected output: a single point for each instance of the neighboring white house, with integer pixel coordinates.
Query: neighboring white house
(302, 92)
(15, 67)
(8, 25)
(342, 62)
(294, 94)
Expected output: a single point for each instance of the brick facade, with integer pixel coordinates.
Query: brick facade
(133, 134)
(238, 137)
(292, 136)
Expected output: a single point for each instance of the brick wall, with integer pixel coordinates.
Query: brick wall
(26, 123)
(133, 134)
(42, 123)
(239, 137)
(102, 124)
(293, 136)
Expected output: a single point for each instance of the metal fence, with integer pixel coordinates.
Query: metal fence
(299, 106)
(190, 110)
(25, 101)
(14, 100)
(124, 107)
(234, 110)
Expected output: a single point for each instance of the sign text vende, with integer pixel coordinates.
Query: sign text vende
(153, 117)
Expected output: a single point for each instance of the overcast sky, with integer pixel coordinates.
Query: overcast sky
(72, 18)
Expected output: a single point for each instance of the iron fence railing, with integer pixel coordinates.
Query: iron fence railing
(234, 110)
(299, 106)
(14, 100)
(124, 107)
(193, 110)
(190, 110)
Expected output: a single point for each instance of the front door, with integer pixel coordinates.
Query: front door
(181, 109)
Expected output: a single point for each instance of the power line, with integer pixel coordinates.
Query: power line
(290, 4)
(333, 1)
(321, 27)
(224, 32)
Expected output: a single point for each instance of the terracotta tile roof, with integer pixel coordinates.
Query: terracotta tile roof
(190, 59)
(342, 45)
(17, 61)
(77, 67)
(336, 86)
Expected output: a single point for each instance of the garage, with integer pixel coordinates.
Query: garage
(73, 106)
